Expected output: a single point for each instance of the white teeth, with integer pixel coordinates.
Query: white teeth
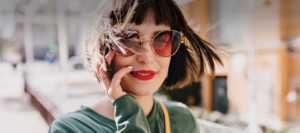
(143, 74)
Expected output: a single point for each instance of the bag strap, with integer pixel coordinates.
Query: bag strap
(167, 119)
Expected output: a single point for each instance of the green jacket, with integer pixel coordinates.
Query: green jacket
(129, 118)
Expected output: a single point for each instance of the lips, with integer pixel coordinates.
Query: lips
(143, 74)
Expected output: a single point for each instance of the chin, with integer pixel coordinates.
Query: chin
(141, 91)
(144, 88)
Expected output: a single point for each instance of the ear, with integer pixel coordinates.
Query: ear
(110, 55)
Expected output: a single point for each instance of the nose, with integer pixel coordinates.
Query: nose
(147, 55)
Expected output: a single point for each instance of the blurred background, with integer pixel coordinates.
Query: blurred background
(257, 90)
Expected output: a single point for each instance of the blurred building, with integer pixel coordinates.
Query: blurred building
(272, 28)
(36, 24)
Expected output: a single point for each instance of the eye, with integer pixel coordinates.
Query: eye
(160, 40)
(163, 37)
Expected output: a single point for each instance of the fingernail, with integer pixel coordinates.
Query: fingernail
(130, 67)
(104, 67)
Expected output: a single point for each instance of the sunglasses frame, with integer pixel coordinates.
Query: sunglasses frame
(151, 43)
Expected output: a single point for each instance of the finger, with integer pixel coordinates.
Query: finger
(105, 81)
(115, 91)
(102, 69)
(116, 80)
(103, 76)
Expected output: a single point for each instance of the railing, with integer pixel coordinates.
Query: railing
(210, 127)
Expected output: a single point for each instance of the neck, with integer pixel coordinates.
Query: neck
(146, 102)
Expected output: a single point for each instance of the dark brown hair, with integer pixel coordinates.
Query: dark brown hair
(193, 57)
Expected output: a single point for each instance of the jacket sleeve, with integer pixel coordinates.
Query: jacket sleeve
(129, 116)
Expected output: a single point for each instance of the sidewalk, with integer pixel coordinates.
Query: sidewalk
(55, 94)
(17, 115)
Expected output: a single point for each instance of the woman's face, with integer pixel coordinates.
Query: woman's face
(149, 69)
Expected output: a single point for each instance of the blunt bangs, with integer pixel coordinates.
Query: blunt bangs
(159, 11)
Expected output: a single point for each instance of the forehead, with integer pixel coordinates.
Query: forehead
(149, 24)
(149, 27)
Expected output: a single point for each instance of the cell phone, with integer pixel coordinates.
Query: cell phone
(107, 49)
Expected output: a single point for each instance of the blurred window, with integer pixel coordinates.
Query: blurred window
(227, 17)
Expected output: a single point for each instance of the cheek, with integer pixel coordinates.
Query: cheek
(118, 63)
(165, 63)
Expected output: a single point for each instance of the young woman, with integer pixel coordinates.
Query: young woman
(134, 48)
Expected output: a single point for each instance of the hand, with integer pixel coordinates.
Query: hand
(112, 86)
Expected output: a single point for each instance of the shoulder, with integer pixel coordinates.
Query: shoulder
(66, 123)
(78, 122)
(181, 118)
(177, 108)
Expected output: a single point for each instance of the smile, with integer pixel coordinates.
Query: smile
(143, 74)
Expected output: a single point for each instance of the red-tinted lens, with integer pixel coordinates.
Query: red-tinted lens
(124, 52)
(166, 43)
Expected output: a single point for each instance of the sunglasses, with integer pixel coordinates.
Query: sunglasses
(165, 43)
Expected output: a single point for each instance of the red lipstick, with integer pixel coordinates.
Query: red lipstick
(143, 74)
